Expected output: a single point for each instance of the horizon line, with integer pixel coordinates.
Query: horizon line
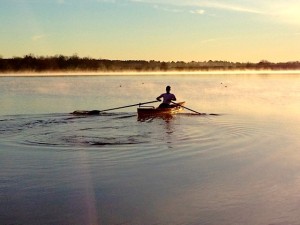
(149, 60)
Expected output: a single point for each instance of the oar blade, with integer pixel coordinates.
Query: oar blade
(86, 112)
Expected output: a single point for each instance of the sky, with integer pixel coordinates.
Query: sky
(165, 30)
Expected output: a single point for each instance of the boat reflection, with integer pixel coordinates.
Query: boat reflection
(150, 117)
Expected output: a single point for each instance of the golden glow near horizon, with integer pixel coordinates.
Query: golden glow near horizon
(168, 30)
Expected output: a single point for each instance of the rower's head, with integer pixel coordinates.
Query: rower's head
(168, 88)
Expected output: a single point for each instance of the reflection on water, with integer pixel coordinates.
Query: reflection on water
(150, 118)
(240, 167)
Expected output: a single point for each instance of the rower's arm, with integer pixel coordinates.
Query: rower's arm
(159, 98)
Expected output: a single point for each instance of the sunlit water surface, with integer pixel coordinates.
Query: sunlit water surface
(240, 165)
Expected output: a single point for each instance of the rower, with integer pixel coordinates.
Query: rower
(167, 98)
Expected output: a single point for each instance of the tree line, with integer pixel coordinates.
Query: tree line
(60, 63)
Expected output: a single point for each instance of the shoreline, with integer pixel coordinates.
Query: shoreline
(152, 73)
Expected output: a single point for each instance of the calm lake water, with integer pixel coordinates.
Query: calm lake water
(241, 166)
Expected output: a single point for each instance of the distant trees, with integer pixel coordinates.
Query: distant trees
(60, 63)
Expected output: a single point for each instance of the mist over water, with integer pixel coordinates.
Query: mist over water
(240, 166)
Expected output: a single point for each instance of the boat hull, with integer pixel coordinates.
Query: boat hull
(146, 111)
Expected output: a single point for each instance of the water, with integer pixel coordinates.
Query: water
(241, 166)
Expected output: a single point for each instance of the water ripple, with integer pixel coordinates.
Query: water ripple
(173, 137)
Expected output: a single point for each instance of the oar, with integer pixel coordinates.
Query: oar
(96, 112)
(188, 108)
(127, 106)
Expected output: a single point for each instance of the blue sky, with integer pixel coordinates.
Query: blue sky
(185, 30)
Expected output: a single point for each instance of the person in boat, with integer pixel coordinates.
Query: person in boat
(167, 98)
